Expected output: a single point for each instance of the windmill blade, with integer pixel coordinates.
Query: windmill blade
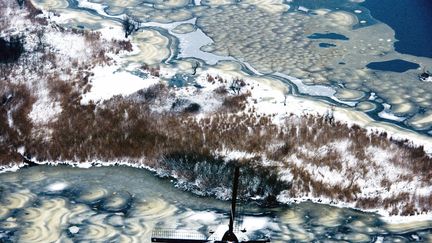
(249, 241)
(172, 235)
(177, 240)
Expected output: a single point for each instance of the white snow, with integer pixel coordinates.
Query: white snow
(9, 118)
(303, 9)
(74, 229)
(99, 8)
(407, 219)
(286, 175)
(68, 44)
(108, 29)
(21, 150)
(255, 223)
(204, 217)
(220, 231)
(234, 155)
(58, 186)
(11, 167)
(109, 81)
(387, 114)
(44, 109)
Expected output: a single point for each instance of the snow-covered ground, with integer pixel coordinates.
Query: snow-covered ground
(109, 81)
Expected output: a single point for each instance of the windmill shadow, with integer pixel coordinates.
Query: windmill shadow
(219, 236)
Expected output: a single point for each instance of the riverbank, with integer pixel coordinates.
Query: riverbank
(123, 203)
(395, 222)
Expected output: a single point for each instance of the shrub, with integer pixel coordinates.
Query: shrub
(11, 50)
(235, 103)
(192, 108)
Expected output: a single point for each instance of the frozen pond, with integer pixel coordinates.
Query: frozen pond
(123, 204)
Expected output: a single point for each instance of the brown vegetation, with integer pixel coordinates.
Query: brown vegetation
(15, 126)
(180, 143)
(153, 71)
(235, 103)
(125, 128)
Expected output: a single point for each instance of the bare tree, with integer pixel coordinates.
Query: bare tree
(40, 39)
(194, 67)
(236, 85)
(21, 3)
(330, 114)
(129, 26)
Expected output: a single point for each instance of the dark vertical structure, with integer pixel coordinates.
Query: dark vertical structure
(168, 236)
(229, 235)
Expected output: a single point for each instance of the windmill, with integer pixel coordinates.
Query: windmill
(169, 236)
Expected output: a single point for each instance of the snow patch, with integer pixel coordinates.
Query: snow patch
(234, 155)
(58, 186)
(109, 81)
(44, 110)
(74, 229)
(68, 44)
(204, 217)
